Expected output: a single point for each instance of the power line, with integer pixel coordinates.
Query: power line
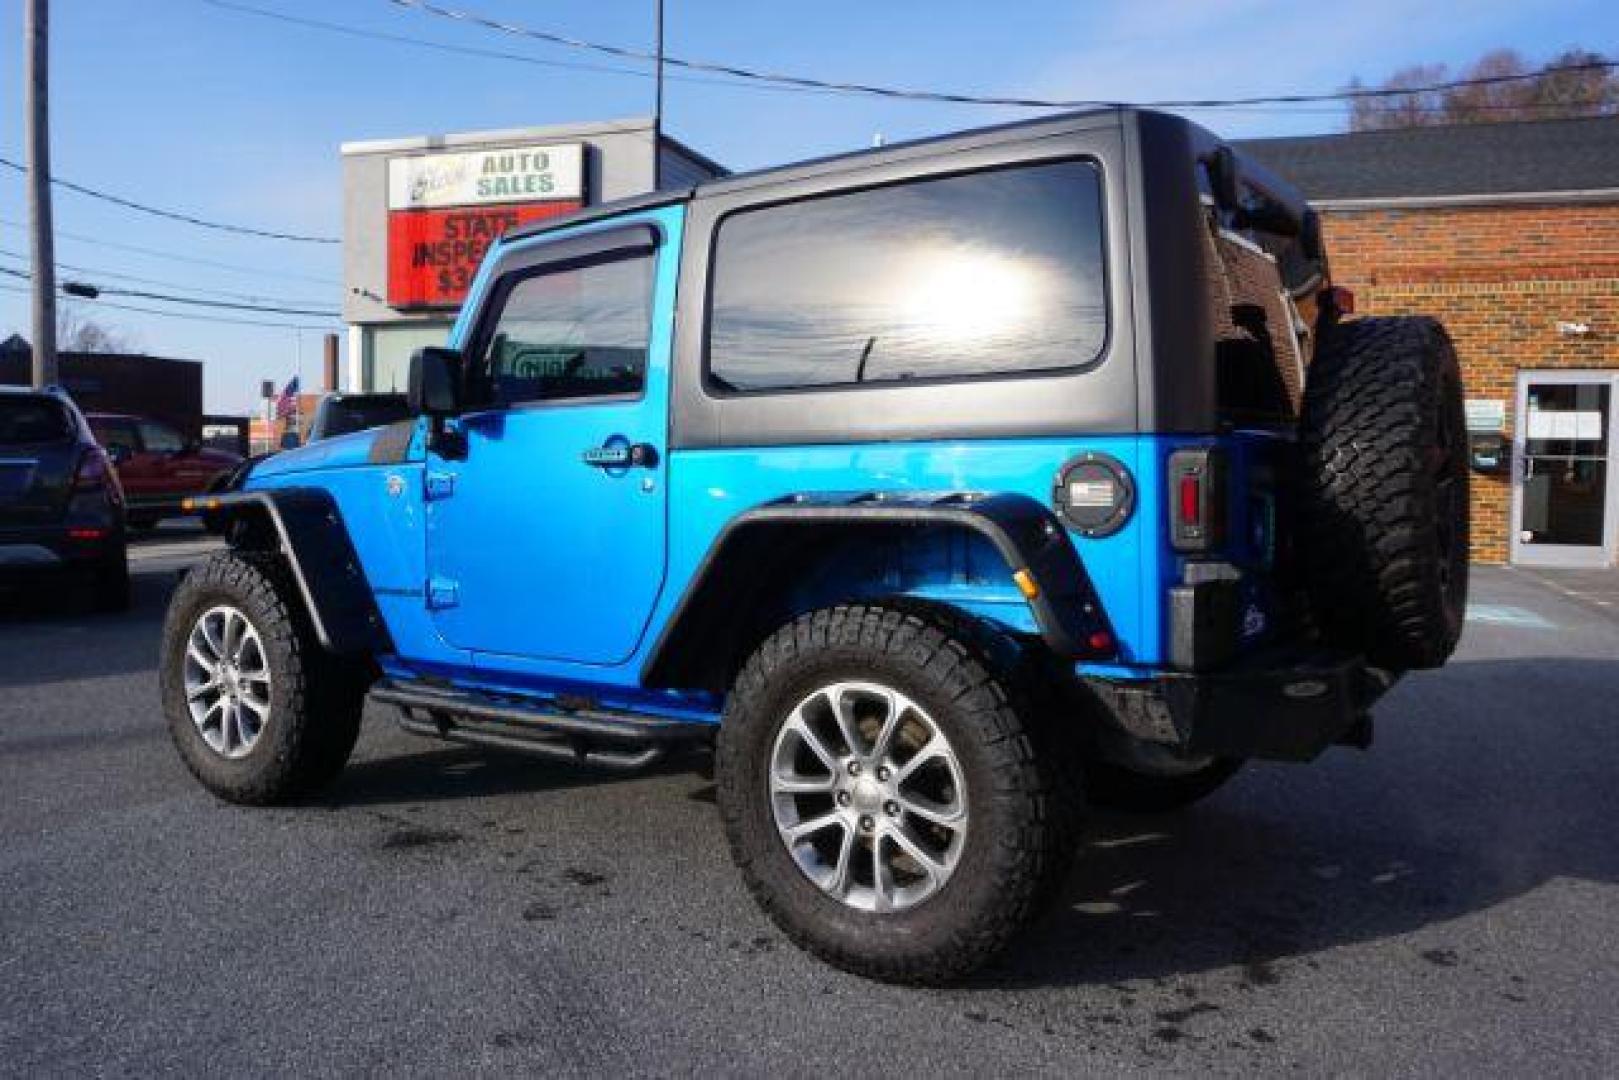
(184, 315)
(519, 58)
(784, 79)
(156, 253)
(100, 272)
(488, 54)
(731, 83)
(141, 294)
(172, 215)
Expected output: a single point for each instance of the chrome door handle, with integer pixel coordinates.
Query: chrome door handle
(621, 456)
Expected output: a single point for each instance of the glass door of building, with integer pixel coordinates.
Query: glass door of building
(1565, 500)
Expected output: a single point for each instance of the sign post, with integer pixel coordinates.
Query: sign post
(37, 33)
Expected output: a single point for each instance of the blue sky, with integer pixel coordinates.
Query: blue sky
(237, 118)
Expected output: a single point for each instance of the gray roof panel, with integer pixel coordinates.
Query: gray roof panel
(1460, 160)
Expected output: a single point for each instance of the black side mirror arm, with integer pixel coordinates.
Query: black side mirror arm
(444, 441)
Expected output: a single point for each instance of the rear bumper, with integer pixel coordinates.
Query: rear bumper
(25, 552)
(1283, 707)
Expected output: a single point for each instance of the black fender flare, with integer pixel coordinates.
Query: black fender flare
(313, 538)
(1039, 556)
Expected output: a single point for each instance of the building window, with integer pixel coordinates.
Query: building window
(989, 273)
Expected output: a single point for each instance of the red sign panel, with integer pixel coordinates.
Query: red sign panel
(434, 254)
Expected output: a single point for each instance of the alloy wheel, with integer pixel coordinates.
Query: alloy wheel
(227, 681)
(868, 796)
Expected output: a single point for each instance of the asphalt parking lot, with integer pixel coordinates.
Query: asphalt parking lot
(1448, 902)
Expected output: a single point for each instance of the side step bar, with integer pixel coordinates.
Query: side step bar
(587, 735)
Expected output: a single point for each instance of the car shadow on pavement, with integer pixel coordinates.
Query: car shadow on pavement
(48, 634)
(447, 772)
(1482, 791)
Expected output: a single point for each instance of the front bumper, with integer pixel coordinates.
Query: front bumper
(1281, 706)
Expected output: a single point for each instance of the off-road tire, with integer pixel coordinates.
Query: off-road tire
(1110, 786)
(315, 699)
(109, 585)
(1383, 492)
(1017, 838)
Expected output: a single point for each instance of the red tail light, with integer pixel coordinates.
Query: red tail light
(92, 474)
(1197, 486)
(1191, 499)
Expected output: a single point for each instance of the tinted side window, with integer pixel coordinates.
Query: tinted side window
(996, 272)
(115, 435)
(579, 332)
(160, 438)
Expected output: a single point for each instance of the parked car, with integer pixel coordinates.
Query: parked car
(61, 507)
(340, 414)
(945, 488)
(159, 467)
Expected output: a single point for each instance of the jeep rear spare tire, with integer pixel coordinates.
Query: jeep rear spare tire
(1384, 498)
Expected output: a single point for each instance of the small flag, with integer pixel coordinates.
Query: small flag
(287, 404)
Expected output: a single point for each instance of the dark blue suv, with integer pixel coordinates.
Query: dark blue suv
(944, 489)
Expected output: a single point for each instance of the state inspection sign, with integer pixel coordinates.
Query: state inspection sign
(444, 210)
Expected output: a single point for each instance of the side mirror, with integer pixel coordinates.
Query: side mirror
(435, 382)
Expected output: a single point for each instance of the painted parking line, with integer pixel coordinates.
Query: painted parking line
(1507, 615)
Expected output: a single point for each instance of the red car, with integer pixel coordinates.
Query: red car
(157, 465)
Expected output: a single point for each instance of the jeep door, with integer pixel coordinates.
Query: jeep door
(545, 525)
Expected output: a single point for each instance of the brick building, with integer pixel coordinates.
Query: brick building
(1510, 234)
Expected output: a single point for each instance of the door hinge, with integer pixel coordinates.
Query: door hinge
(440, 485)
(442, 593)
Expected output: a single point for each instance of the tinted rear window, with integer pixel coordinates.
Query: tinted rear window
(32, 420)
(989, 273)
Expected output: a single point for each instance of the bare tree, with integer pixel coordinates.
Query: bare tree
(76, 332)
(1487, 101)
(1412, 109)
(1548, 93)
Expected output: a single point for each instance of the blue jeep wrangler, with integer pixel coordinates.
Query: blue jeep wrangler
(943, 489)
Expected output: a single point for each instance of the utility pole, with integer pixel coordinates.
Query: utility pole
(36, 29)
(657, 102)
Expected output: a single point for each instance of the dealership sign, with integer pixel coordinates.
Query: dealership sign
(444, 210)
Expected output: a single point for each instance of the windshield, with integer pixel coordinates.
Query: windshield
(32, 420)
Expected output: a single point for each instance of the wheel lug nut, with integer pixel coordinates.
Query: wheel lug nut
(882, 773)
(891, 808)
(843, 798)
(854, 768)
(867, 823)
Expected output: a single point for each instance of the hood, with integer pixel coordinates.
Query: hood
(341, 451)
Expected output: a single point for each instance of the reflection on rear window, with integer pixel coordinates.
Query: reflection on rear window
(32, 420)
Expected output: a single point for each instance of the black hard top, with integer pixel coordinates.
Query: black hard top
(1017, 131)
